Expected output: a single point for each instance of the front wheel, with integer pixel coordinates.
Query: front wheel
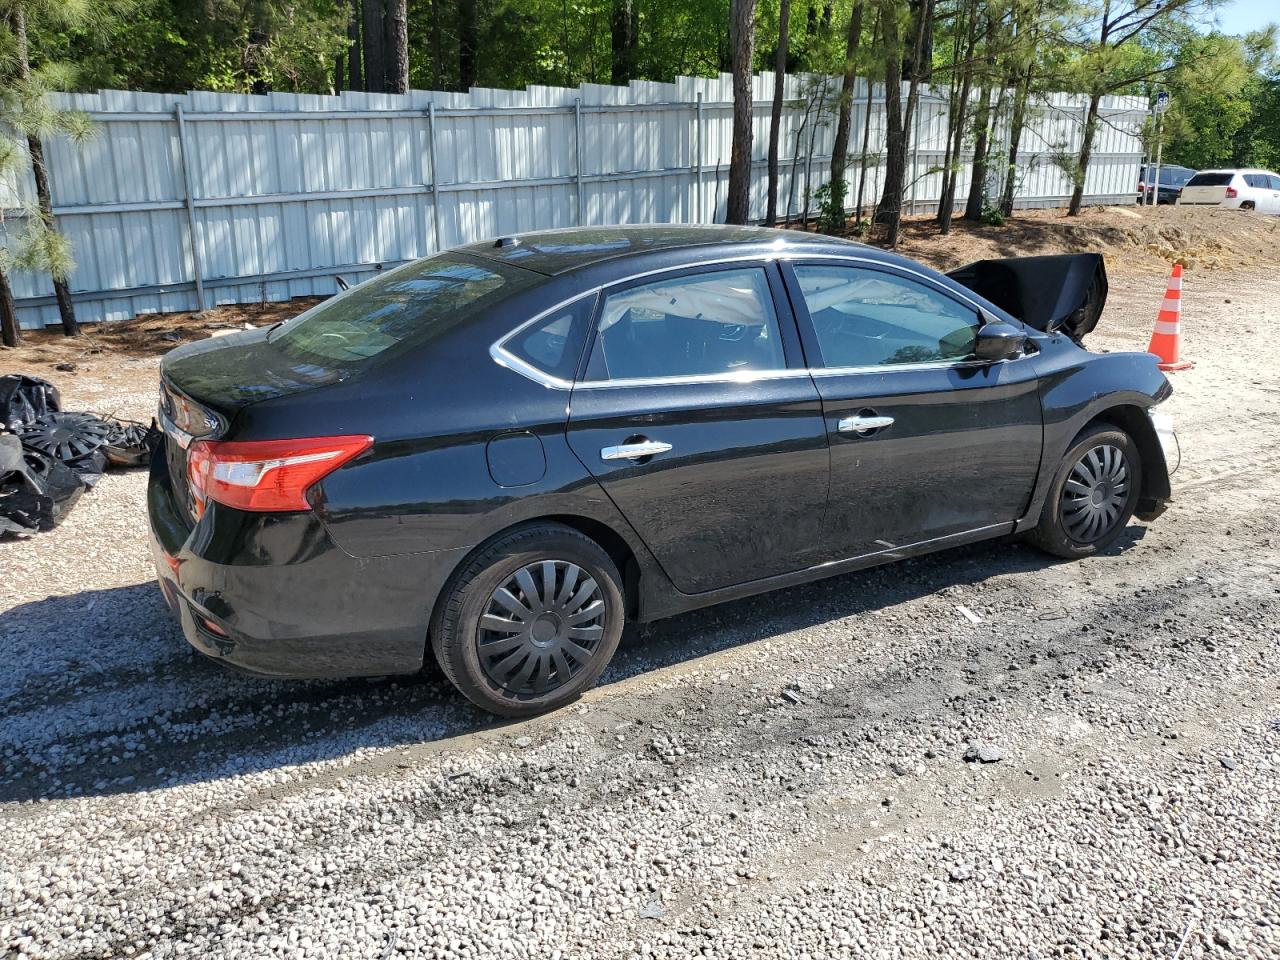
(530, 621)
(1094, 493)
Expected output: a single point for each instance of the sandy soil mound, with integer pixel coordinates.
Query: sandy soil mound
(1143, 239)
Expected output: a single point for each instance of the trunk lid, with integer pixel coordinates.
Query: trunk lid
(203, 385)
(1206, 189)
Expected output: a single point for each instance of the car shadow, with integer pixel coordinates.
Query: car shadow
(101, 694)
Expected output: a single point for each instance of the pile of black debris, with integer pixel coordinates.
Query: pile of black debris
(49, 457)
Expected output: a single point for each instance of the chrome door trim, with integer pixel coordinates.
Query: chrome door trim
(860, 424)
(635, 451)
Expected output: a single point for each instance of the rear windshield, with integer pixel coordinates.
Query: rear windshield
(1210, 179)
(410, 305)
(1174, 176)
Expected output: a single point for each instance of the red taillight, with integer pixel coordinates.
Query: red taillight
(1231, 193)
(266, 475)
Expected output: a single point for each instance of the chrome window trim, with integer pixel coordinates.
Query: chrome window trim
(744, 376)
(504, 358)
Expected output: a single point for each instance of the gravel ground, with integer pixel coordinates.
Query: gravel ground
(778, 777)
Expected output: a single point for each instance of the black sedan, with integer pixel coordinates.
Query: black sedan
(1172, 179)
(502, 453)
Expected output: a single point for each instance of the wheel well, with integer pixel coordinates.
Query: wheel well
(613, 544)
(1134, 421)
(609, 540)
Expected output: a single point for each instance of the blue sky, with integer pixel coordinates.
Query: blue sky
(1241, 16)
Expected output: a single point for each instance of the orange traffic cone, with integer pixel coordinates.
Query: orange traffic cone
(1164, 339)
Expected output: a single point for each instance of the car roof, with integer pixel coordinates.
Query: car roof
(555, 252)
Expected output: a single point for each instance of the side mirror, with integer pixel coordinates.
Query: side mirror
(997, 340)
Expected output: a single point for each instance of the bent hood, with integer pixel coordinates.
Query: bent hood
(1065, 292)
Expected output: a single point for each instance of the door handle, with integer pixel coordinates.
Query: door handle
(634, 451)
(863, 424)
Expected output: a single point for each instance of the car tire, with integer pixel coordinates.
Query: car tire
(1246, 204)
(1088, 516)
(539, 585)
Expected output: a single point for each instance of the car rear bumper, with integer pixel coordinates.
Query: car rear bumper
(272, 595)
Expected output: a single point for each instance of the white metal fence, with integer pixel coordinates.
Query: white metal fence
(189, 200)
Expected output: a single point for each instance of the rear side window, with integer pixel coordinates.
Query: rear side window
(867, 318)
(410, 305)
(707, 324)
(553, 344)
(1210, 179)
(1257, 180)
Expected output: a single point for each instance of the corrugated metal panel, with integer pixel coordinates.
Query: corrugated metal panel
(288, 190)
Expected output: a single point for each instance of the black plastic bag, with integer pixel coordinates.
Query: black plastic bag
(36, 491)
(23, 399)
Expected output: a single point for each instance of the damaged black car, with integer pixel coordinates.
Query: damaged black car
(499, 455)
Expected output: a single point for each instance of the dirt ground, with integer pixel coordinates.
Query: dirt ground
(780, 777)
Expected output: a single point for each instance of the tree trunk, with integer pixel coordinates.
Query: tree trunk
(61, 291)
(10, 332)
(775, 124)
(840, 150)
(468, 43)
(953, 99)
(978, 174)
(624, 23)
(397, 24)
(742, 17)
(374, 37)
(889, 211)
(355, 71)
(898, 120)
(1016, 123)
(818, 98)
(796, 153)
(1086, 150)
(982, 133)
(866, 142)
(947, 203)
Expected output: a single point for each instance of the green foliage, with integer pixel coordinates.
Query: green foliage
(992, 216)
(831, 200)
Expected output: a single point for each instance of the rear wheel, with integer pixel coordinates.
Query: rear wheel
(531, 621)
(1094, 493)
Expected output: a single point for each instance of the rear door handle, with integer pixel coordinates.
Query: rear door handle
(862, 424)
(634, 451)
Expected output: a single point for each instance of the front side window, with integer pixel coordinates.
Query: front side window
(708, 324)
(868, 318)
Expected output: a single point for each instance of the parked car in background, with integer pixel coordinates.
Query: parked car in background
(1235, 189)
(500, 454)
(1172, 179)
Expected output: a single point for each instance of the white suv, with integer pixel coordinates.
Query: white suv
(1236, 189)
